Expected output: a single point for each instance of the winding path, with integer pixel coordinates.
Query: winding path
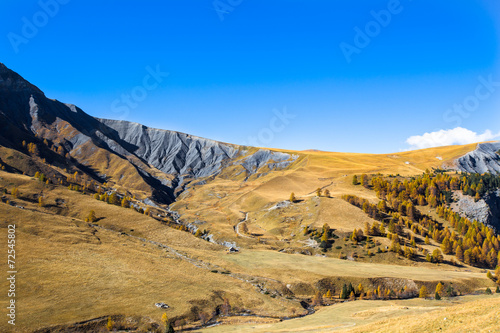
(237, 228)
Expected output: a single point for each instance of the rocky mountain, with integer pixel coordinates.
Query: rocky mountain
(484, 159)
(486, 210)
(158, 162)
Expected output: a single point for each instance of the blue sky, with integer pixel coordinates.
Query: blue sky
(357, 76)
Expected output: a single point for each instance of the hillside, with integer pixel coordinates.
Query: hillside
(113, 217)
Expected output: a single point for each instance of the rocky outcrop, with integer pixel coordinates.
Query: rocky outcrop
(484, 159)
(486, 210)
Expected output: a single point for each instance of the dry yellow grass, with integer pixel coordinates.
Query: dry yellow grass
(221, 201)
(69, 271)
(464, 314)
(296, 267)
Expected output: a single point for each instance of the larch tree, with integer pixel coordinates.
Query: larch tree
(92, 217)
(125, 203)
(423, 292)
(110, 324)
(318, 299)
(439, 288)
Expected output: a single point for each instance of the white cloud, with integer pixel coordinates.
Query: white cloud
(456, 136)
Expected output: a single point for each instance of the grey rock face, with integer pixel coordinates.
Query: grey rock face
(26, 112)
(486, 210)
(483, 159)
(275, 160)
(172, 152)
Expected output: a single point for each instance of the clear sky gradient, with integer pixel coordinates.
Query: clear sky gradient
(357, 76)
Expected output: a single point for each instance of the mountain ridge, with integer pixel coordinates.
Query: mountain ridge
(25, 111)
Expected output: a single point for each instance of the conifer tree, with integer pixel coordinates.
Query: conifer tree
(292, 197)
(110, 324)
(439, 288)
(344, 293)
(355, 180)
(423, 292)
(15, 192)
(91, 218)
(437, 297)
(318, 299)
(125, 203)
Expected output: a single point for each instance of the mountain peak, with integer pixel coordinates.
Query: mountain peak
(13, 82)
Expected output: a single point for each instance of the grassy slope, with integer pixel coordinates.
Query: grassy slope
(64, 268)
(221, 202)
(464, 314)
(69, 271)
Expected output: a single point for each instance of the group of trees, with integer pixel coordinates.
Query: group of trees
(320, 192)
(439, 292)
(471, 242)
(431, 189)
(349, 292)
(324, 236)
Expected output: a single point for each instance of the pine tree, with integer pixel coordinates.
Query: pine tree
(437, 297)
(498, 290)
(344, 294)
